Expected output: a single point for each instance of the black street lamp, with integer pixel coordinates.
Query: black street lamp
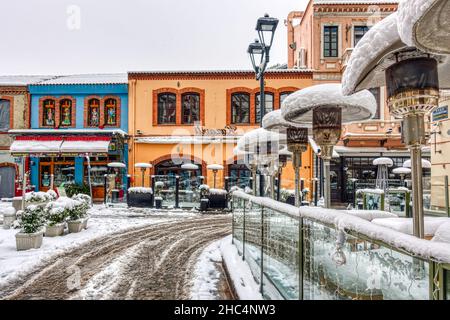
(259, 52)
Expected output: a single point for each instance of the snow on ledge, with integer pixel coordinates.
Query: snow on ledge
(436, 251)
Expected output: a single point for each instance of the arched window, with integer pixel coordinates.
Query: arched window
(93, 112)
(5, 114)
(167, 108)
(268, 105)
(190, 108)
(65, 112)
(283, 96)
(48, 113)
(111, 112)
(240, 108)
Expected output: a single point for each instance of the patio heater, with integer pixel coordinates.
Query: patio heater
(264, 147)
(383, 164)
(327, 109)
(116, 167)
(412, 78)
(215, 168)
(143, 166)
(402, 172)
(297, 143)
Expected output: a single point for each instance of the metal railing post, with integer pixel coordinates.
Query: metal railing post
(105, 177)
(227, 185)
(243, 232)
(152, 185)
(447, 201)
(177, 191)
(261, 285)
(300, 258)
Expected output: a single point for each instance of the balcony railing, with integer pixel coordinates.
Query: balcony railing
(315, 253)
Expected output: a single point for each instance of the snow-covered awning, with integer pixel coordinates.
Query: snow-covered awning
(52, 145)
(36, 146)
(90, 145)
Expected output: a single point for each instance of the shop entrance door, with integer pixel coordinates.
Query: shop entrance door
(7, 178)
(63, 173)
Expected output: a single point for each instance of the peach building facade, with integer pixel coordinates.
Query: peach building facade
(321, 38)
(179, 117)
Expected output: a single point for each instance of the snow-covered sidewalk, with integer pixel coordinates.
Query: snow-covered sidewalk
(103, 221)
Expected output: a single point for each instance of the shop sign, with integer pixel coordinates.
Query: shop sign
(440, 113)
(226, 131)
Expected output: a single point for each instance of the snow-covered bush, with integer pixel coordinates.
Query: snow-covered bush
(83, 198)
(140, 190)
(52, 195)
(74, 209)
(55, 214)
(285, 194)
(204, 190)
(32, 219)
(37, 197)
(159, 185)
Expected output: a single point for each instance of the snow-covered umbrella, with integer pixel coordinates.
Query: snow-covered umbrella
(215, 168)
(424, 24)
(412, 78)
(425, 164)
(402, 172)
(327, 109)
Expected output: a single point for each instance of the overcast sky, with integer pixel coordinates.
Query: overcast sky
(87, 36)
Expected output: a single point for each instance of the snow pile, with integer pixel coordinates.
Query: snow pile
(239, 272)
(401, 170)
(214, 167)
(189, 166)
(405, 225)
(261, 137)
(442, 233)
(379, 38)
(409, 12)
(299, 106)
(218, 191)
(140, 190)
(383, 162)
(370, 215)
(206, 275)
(7, 211)
(143, 165)
(372, 191)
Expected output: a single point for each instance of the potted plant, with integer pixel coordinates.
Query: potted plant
(218, 198)
(140, 197)
(55, 217)
(159, 185)
(204, 194)
(31, 224)
(9, 216)
(38, 198)
(305, 193)
(86, 204)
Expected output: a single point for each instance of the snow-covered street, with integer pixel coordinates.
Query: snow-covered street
(124, 254)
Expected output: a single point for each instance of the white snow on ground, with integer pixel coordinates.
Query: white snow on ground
(239, 271)
(206, 275)
(104, 284)
(103, 221)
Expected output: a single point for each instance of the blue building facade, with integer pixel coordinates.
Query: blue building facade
(75, 120)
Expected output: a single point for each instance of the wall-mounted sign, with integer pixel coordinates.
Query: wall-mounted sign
(228, 130)
(440, 113)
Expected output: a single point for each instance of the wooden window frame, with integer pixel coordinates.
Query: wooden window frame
(11, 112)
(86, 111)
(118, 112)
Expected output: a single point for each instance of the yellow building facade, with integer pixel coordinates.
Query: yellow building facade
(197, 117)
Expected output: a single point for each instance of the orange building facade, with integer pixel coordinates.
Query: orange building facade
(197, 117)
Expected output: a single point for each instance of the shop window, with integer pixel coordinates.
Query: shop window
(240, 108)
(65, 112)
(330, 41)
(190, 108)
(166, 108)
(111, 112)
(239, 175)
(268, 105)
(5, 114)
(283, 96)
(48, 113)
(93, 112)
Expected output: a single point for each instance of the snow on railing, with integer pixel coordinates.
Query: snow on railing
(342, 220)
